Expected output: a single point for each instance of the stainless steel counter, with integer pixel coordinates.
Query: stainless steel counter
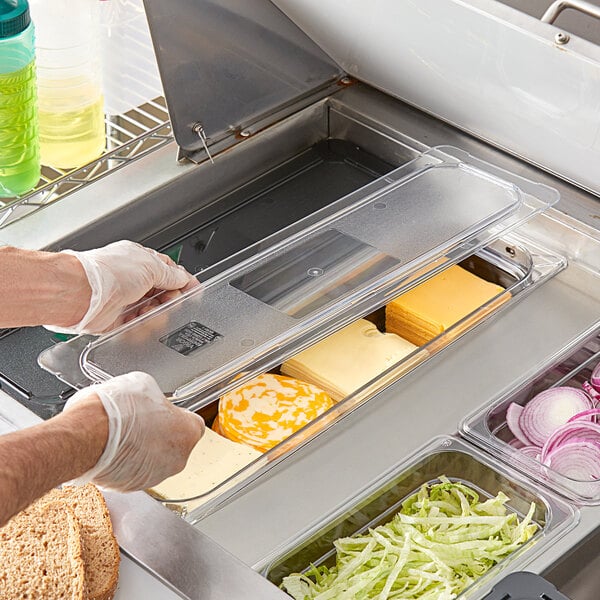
(430, 401)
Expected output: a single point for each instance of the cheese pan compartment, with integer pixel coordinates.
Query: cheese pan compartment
(560, 454)
(444, 459)
(218, 467)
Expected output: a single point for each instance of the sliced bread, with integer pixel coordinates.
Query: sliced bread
(101, 554)
(41, 555)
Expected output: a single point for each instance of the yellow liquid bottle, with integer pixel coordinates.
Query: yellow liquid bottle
(71, 118)
(70, 103)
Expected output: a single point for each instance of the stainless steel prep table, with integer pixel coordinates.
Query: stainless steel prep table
(326, 472)
(344, 458)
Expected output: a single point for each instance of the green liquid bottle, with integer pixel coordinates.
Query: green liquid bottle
(19, 135)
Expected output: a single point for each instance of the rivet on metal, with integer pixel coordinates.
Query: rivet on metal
(245, 133)
(561, 38)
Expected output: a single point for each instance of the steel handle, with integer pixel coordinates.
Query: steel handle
(580, 5)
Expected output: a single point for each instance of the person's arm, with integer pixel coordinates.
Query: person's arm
(122, 434)
(83, 292)
(41, 287)
(34, 460)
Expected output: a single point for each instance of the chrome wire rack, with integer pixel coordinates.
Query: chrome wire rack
(129, 136)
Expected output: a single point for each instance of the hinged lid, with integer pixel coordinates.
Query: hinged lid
(347, 259)
(226, 65)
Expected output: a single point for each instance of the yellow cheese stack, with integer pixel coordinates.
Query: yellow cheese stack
(213, 460)
(435, 305)
(268, 409)
(348, 359)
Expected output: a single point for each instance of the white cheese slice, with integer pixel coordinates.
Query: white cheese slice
(213, 460)
(348, 359)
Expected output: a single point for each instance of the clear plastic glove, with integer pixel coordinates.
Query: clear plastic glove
(149, 439)
(120, 275)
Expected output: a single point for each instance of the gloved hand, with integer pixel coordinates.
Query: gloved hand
(149, 439)
(121, 274)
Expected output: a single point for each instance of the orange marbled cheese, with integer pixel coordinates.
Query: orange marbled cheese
(268, 409)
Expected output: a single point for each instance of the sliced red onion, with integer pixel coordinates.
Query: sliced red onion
(595, 378)
(574, 432)
(591, 391)
(531, 451)
(515, 443)
(550, 409)
(513, 414)
(579, 461)
(586, 415)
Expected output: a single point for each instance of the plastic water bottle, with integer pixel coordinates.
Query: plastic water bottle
(19, 146)
(70, 101)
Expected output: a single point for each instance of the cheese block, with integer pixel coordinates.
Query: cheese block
(429, 309)
(213, 460)
(268, 409)
(348, 359)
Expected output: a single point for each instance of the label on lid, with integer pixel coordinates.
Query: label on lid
(190, 337)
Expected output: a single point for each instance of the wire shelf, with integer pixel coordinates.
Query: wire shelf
(129, 136)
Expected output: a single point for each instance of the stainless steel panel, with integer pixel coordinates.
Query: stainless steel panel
(190, 562)
(227, 64)
(577, 573)
(570, 20)
(478, 64)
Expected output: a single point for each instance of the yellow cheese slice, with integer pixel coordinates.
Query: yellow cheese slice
(213, 460)
(429, 309)
(348, 359)
(268, 409)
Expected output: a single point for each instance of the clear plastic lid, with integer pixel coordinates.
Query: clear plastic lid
(442, 206)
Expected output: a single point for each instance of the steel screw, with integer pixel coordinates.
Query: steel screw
(561, 38)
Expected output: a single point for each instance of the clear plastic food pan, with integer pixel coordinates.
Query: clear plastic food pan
(488, 429)
(516, 267)
(381, 500)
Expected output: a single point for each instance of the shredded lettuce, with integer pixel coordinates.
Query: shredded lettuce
(439, 543)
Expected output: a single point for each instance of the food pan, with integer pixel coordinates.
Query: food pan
(509, 262)
(487, 426)
(381, 500)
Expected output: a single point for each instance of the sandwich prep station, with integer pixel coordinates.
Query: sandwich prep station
(309, 194)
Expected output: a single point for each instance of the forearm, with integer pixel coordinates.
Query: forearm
(35, 460)
(41, 287)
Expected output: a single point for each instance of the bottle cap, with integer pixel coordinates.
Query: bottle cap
(14, 17)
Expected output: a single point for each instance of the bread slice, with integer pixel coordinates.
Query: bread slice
(41, 555)
(101, 554)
